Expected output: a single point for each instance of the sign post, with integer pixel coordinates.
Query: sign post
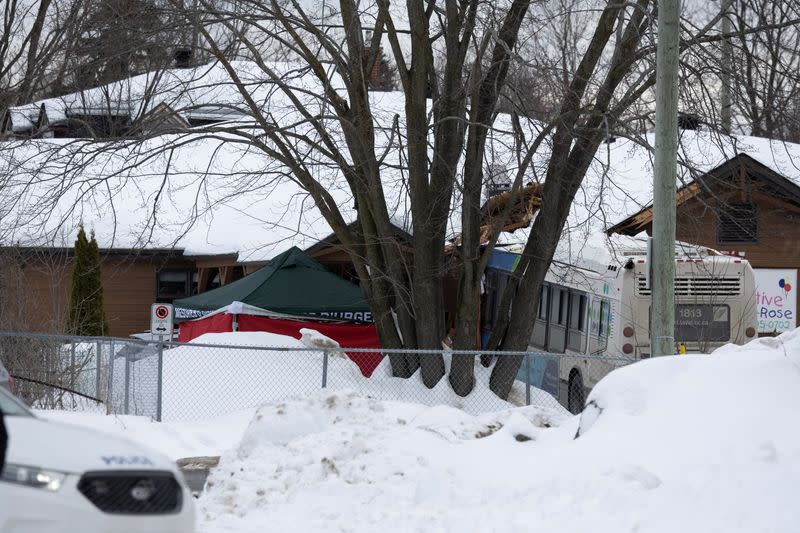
(161, 316)
(160, 386)
(161, 320)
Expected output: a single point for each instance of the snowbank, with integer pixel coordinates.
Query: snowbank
(383, 386)
(203, 381)
(176, 440)
(364, 465)
(687, 443)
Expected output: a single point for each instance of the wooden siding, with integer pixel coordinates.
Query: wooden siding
(778, 240)
(129, 287)
(34, 291)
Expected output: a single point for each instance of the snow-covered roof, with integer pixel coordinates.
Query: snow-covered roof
(213, 195)
(620, 183)
(205, 91)
(630, 166)
(206, 194)
(21, 120)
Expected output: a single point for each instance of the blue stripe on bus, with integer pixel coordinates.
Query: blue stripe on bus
(543, 374)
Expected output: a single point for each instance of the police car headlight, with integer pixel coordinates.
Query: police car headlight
(31, 476)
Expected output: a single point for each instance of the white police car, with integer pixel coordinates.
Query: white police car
(63, 478)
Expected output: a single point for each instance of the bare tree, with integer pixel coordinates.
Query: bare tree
(305, 92)
(34, 41)
(754, 65)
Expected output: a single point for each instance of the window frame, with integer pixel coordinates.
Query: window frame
(581, 313)
(544, 303)
(189, 283)
(577, 308)
(725, 215)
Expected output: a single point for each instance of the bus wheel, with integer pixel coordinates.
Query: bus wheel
(575, 394)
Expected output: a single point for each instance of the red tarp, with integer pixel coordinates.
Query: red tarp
(191, 329)
(347, 335)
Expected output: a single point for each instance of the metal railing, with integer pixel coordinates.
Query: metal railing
(190, 381)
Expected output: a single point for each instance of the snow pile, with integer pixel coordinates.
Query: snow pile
(687, 389)
(361, 465)
(314, 339)
(205, 381)
(176, 440)
(687, 443)
(384, 386)
(202, 380)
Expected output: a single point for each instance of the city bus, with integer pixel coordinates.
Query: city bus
(599, 318)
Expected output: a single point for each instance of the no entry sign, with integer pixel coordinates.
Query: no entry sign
(161, 319)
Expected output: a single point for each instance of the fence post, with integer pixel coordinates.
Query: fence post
(527, 378)
(127, 379)
(72, 366)
(97, 369)
(159, 388)
(324, 368)
(110, 394)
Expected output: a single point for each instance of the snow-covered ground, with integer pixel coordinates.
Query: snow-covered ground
(687, 443)
(699, 443)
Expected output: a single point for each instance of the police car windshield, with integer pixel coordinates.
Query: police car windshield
(10, 406)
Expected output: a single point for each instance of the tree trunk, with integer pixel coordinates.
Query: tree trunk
(462, 368)
(570, 158)
(484, 104)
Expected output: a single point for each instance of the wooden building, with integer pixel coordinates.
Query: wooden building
(35, 284)
(743, 208)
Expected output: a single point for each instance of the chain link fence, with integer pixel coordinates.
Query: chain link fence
(189, 381)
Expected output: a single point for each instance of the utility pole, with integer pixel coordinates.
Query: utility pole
(662, 332)
(727, 59)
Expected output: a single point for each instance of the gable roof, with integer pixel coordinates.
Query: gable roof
(331, 242)
(292, 283)
(788, 190)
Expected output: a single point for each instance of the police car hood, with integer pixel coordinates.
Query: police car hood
(74, 449)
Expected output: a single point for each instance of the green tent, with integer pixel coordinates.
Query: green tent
(293, 284)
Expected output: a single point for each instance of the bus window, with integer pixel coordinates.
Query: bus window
(577, 311)
(604, 319)
(563, 307)
(557, 328)
(577, 322)
(555, 304)
(539, 335)
(544, 298)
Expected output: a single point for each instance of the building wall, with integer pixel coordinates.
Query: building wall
(34, 291)
(778, 242)
(129, 289)
(778, 230)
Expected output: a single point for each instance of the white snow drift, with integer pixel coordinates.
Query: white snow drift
(687, 443)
